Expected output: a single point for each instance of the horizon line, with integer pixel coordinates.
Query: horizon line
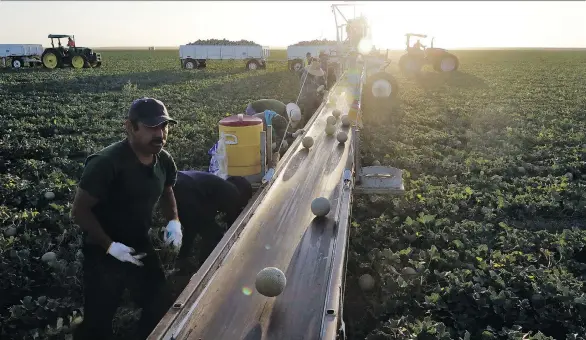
(390, 49)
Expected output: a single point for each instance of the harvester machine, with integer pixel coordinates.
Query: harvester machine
(279, 227)
(64, 56)
(440, 59)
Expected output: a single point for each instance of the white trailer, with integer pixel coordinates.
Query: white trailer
(19, 55)
(196, 56)
(296, 54)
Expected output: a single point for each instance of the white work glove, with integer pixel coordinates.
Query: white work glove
(173, 234)
(320, 89)
(125, 253)
(285, 145)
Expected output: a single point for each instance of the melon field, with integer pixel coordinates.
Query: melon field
(486, 243)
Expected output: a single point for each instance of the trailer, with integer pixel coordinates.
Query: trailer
(19, 55)
(196, 56)
(296, 54)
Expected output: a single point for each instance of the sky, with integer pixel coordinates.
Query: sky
(455, 24)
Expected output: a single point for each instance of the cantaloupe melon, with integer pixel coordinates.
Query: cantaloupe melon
(270, 281)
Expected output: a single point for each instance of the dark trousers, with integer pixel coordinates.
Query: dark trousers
(205, 226)
(106, 278)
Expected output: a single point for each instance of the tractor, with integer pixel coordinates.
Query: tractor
(76, 57)
(439, 58)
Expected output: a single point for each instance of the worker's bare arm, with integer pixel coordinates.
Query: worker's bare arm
(168, 204)
(84, 217)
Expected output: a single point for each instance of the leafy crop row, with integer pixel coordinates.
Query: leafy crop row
(486, 243)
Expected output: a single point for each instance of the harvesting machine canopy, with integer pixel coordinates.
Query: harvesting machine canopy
(356, 28)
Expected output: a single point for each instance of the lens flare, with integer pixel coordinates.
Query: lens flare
(246, 291)
(364, 46)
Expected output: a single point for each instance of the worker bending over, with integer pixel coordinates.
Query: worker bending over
(287, 114)
(200, 196)
(113, 205)
(290, 111)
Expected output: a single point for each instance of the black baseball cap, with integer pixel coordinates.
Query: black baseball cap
(149, 111)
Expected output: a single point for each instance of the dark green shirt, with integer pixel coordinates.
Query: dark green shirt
(270, 104)
(127, 190)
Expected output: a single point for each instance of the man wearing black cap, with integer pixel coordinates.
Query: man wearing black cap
(114, 204)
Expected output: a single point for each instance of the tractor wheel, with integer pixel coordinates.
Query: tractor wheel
(447, 63)
(190, 64)
(409, 64)
(78, 61)
(252, 65)
(17, 63)
(51, 59)
(379, 94)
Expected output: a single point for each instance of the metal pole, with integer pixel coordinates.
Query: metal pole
(269, 138)
(263, 153)
(357, 165)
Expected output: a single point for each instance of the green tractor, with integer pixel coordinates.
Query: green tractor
(71, 55)
(439, 58)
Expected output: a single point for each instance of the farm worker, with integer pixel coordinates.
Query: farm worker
(290, 111)
(200, 196)
(323, 60)
(70, 42)
(114, 204)
(308, 58)
(313, 84)
(279, 126)
(418, 46)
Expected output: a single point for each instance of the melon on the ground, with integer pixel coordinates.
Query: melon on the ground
(49, 257)
(10, 231)
(366, 282)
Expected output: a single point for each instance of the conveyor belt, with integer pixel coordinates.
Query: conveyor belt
(277, 230)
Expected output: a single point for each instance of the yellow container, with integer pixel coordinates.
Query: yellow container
(242, 135)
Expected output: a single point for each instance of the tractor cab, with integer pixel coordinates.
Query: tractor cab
(69, 55)
(413, 48)
(419, 55)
